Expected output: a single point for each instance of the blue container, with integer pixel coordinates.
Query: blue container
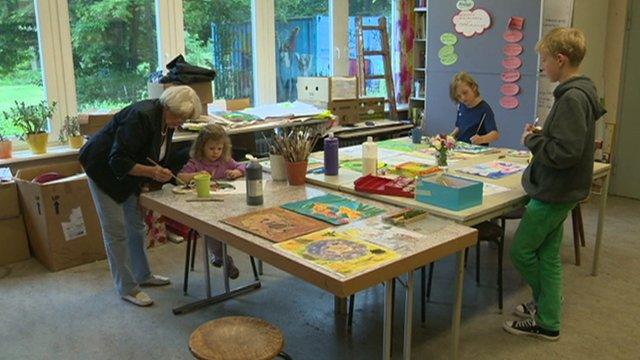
(416, 135)
(449, 192)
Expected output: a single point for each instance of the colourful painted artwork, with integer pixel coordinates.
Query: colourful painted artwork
(344, 252)
(334, 209)
(356, 165)
(414, 168)
(387, 235)
(401, 145)
(493, 170)
(467, 148)
(275, 224)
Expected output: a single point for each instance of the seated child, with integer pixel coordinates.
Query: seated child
(475, 123)
(211, 153)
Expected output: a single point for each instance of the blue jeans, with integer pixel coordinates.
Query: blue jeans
(123, 232)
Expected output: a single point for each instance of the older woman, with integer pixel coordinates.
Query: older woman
(116, 162)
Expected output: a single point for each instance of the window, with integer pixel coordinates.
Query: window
(20, 68)
(218, 36)
(114, 50)
(371, 11)
(302, 43)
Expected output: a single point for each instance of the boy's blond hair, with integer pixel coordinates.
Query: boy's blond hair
(462, 78)
(569, 42)
(211, 132)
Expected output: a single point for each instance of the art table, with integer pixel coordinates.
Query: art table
(445, 238)
(492, 206)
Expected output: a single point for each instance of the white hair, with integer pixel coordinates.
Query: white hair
(182, 101)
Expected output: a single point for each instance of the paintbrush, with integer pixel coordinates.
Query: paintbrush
(178, 180)
(204, 200)
(481, 122)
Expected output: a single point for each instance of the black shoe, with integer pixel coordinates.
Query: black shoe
(526, 310)
(530, 328)
(234, 273)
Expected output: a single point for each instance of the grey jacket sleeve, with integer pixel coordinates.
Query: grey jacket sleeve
(561, 143)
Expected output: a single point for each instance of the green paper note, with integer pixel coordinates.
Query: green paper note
(449, 59)
(448, 39)
(446, 50)
(465, 5)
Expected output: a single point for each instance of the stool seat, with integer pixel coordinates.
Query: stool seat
(514, 214)
(236, 337)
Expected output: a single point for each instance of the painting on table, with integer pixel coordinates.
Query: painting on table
(344, 252)
(493, 170)
(467, 148)
(334, 209)
(275, 224)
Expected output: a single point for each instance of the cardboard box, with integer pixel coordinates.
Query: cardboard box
(10, 207)
(450, 192)
(320, 91)
(371, 108)
(203, 89)
(92, 121)
(61, 219)
(346, 110)
(13, 241)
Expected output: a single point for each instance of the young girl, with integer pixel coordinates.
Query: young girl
(475, 123)
(211, 154)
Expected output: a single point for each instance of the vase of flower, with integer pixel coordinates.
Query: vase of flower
(442, 144)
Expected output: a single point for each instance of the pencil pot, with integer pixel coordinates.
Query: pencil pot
(296, 172)
(278, 167)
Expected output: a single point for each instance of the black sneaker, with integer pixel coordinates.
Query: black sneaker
(530, 328)
(233, 270)
(526, 310)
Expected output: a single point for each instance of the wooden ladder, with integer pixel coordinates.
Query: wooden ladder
(386, 56)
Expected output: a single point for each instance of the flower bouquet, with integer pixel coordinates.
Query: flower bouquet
(442, 143)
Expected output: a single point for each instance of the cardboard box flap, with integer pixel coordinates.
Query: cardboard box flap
(65, 169)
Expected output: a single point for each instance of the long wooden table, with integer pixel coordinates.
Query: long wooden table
(444, 238)
(492, 206)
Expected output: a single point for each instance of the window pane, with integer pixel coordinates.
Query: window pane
(302, 43)
(20, 70)
(218, 36)
(371, 11)
(114, 50)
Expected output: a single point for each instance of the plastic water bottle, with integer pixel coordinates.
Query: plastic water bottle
(369, 157)
(331, 162)
(254, 182)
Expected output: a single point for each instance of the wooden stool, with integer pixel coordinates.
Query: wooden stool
(237, 337)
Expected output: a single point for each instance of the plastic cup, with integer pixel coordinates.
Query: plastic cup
(203, 185)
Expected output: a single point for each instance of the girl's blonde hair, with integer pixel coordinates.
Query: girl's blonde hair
(462, 78)
(215, 133)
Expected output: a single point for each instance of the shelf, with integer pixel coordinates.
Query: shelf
(419, 69)
(417, 98)
(420, 9)
(421, 40)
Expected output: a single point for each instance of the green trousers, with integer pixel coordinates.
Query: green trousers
(536, 254)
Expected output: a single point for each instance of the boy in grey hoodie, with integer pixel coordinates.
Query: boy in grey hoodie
(558, 177)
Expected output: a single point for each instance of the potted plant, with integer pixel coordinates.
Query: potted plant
(31, 121)
(70, 132)
(296, 145)
(5, 143)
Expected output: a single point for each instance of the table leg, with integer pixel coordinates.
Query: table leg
(339, 305)
(225, 267)
(207, 270)
(457, 306)
(408, 317)
(387, 319)
(603, 205)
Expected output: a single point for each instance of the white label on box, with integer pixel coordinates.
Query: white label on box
(75, 227)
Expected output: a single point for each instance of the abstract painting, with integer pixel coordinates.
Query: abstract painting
(344, 252)
(334, 209)
(275, 224)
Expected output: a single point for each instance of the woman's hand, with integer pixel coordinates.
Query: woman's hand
(233, 174)
(161, 174)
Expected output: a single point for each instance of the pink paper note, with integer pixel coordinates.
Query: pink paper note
(510, 89)
(512, 63)
(509, 102)
(512, 49)
(513, 36)
(510, 76)
(516, 23)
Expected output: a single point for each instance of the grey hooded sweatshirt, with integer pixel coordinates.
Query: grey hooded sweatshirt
(562, 167)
